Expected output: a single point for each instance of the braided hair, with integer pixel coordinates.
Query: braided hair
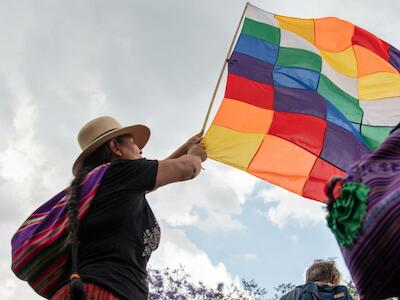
(100, 156)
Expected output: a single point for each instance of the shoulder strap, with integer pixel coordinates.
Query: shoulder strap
(310, 291)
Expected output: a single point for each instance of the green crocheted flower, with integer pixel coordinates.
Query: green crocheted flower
(347, 213)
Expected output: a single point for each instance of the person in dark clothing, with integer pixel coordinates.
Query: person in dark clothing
(120, 231)
(323, 274)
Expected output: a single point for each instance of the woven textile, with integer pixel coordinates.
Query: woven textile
(40, 247)
(373, 259)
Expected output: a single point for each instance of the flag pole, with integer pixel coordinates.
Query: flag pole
(223, 69)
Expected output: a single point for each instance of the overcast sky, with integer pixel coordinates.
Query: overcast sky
(153, 62)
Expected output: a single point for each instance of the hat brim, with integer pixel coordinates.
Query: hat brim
(141, 134)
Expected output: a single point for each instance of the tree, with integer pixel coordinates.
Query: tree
(176, 284)
(351, 287)
(282, 289)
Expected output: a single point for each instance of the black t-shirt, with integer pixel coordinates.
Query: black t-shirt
(120, 232)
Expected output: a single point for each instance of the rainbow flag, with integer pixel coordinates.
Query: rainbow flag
(304, 99)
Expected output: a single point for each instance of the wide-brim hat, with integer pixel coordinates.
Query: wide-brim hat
(100, 130)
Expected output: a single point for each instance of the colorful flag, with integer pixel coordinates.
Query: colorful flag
(304, 99)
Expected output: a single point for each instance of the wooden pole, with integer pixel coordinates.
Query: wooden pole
(223, 69)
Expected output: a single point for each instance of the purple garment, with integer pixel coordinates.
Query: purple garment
(373, 259)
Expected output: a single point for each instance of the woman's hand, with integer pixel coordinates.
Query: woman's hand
(182, 150)
(198, 150)
(183, 164)
(196, 139)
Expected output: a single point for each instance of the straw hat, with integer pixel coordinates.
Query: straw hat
(100, 130)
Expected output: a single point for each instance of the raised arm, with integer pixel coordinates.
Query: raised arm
(183, 168)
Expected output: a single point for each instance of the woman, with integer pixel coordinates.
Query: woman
(119, 232)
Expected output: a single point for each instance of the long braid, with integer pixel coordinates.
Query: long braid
(76, 285)
(102, 155)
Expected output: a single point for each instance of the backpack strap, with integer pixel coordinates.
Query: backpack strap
(310, 291)
(340, 292)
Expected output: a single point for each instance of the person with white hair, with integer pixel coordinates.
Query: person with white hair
(322, 282)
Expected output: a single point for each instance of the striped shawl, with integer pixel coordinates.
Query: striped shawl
(40, 247)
